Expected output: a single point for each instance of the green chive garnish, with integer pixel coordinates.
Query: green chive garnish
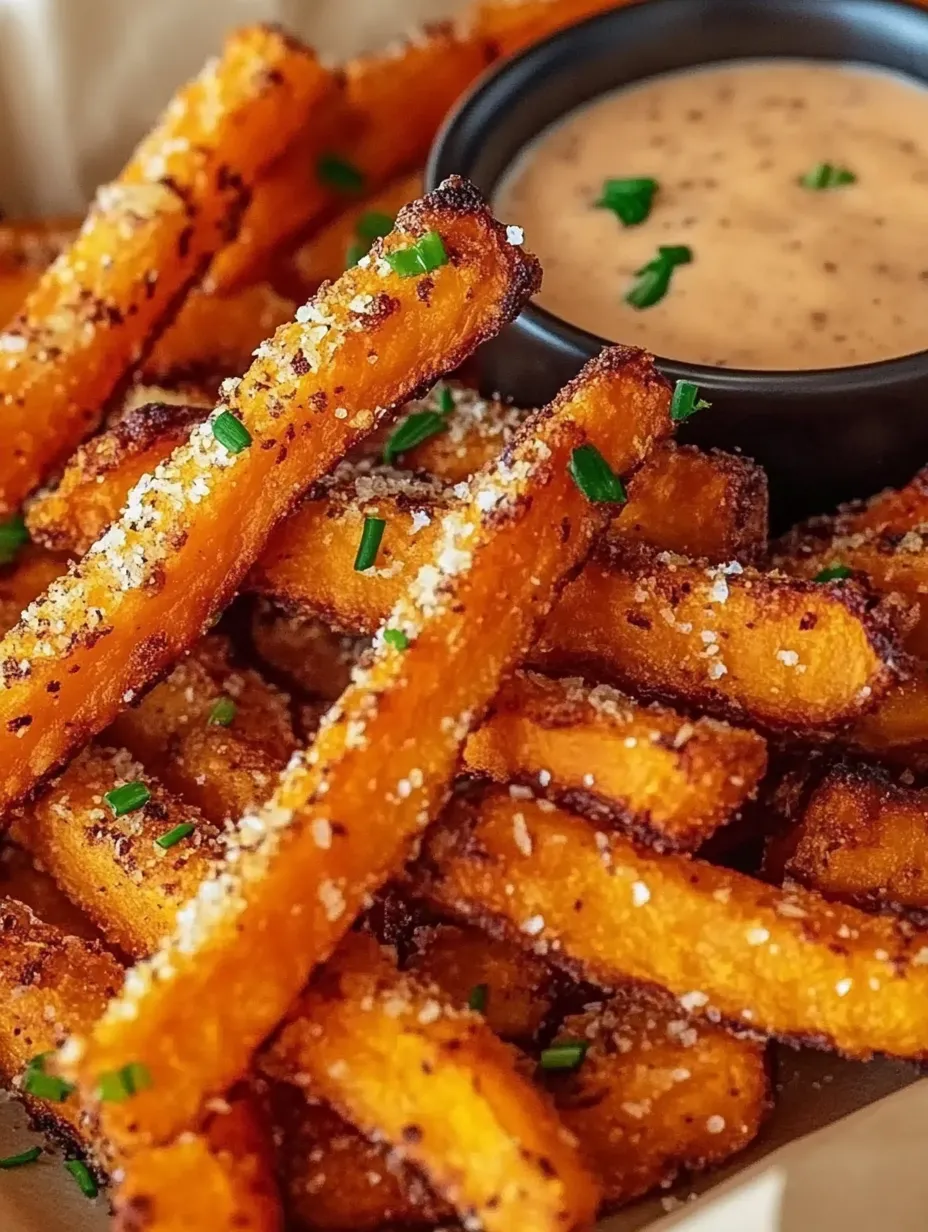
(654, 278)
(373, 225)
(478, 998)
(566, 1055)
(45, 1086)
(595, 477)
(396, 638)
(13, 536)
(120, 1084)
(425, 255)
(630, 200)
(836, 573)
(128, 798)
(23, 1158)
(415, 429)
(339, 174)
(444, 398)
(222, 713)
(84, 1177)
(172, 837)
(686, 401)
(369, 546)
(231, 432)
(827, 175)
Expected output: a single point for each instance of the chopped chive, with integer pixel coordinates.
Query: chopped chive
(222, 713)
(339, 174)
(595, 477)
(686, 401)
(630, 200)
(354, 252)
(654, 277)
(444, 398)
(23, 1158)
(231, 432)
(396, 638)
(128, 798)
(374, 225)
(45, 1086)
(566, 1055)
(827, 175)
(118, 1085)
(835, 573)
(84, 1177)
(369, 546)
(13, 536)
(478, 998)
(415, 429)
(172, 837)
(425, 255)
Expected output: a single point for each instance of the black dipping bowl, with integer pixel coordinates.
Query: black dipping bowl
(823, 436)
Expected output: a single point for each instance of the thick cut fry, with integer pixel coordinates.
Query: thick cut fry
(189, 532)
(512, 25)
(323, 257)
(786, 963)
(346, 816)
(146, 240)
(646, 769)
(26, 251)
(862, 838)
(112, 867)
(303, 651)
(897, 729)
(512, 990)
(783, 654)
(380, 125)
(657, 1094)
(491, 1144)
(713, 505)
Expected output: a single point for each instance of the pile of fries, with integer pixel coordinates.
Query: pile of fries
(407, 822)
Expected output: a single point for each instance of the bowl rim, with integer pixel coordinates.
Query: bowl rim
(507, 77)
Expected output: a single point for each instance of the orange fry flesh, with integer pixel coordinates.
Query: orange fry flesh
(897, 728)
(783, 962)
(343, 820)
(187, 534)
(26, 251)
(146, 240)
(495, 1150)
(645, 769)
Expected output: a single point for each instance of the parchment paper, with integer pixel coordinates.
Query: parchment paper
(80, 81)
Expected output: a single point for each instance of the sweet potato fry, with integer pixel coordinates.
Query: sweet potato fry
(26, 250)
(346, 815)
(20, 879)
(380, 125)
(646, 769)
(492, 1145)
(325, 255)
(512, 25)
(862, 839)
(657, 1094)
(713, 505)
(113, 867)
(146, 240)
(784, 962)
(190, 531)
(897, 728)
(303, 651)
(783, 654)
(24, 579)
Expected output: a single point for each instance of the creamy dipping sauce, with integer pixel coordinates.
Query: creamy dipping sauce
(781, 276)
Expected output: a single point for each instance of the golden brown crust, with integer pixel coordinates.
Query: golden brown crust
(509, 26)
(303, 651)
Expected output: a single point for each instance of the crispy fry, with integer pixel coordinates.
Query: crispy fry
(780, 653)
(646, 769)
(381, 124)
(345, 817)
(146, 240)
(26, 250)
(713, 505)
(512, 25)
(495, 1148)
(862, 838)
(24, 580)
(513, 988)
(20, 879)
(657, 1094)
(112, 866)
(302, 650)
(323, 257)
(783, 962)
(188, 534)
(897, 728)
